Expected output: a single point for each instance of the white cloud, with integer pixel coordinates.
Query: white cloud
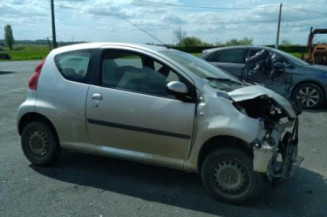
(96, 20)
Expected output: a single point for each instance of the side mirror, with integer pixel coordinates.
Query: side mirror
(177, 88)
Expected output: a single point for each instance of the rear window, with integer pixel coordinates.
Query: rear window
(75, 65)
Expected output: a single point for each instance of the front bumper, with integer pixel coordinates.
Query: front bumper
(277, 158)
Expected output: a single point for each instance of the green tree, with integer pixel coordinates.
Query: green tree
(191, 42)
(9, 38)
(244, 41)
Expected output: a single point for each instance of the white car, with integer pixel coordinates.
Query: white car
(159, 106)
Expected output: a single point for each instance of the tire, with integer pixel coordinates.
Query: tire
(228, 175)
(39, 144)
(308, 95)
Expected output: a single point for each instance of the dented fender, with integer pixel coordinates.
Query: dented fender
(217, 116)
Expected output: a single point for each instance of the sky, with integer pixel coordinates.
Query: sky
(212, 21)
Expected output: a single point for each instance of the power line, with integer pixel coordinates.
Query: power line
(297, 20)
(247, 22)
(199, 21)
(226, 8)
(215, 22)
(305, 10)
(201, 7)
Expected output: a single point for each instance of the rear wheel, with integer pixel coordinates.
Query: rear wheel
(309, 95)
(228, 175)
(39, 144)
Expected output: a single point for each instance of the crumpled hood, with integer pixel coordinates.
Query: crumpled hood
(254, 91)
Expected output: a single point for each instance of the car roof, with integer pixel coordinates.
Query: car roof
(235, 47)
(95, 45)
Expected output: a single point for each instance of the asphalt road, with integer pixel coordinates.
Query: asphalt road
(82, 185)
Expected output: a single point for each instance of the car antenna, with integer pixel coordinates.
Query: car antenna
(133, 24)
(143, 30)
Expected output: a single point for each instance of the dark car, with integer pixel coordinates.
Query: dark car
(297, 79)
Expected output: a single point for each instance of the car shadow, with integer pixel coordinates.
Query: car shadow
(323, 108)
(304, 195)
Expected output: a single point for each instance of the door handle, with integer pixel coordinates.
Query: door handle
(97, 96)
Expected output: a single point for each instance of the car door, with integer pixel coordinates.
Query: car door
(132, 110)
(271, 77)
(231, 60)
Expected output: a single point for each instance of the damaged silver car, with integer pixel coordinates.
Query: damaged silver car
(159, 106)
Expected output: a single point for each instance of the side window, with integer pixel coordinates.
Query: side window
(230, 56)
(129, 59)
(277, 58)
(136, 72)
(213, 56)
(166, 71)
(75, 65)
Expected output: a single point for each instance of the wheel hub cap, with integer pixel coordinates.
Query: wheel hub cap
(308, 96)
(229, 176)
(38, 144)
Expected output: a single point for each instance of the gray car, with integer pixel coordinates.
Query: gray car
(159, 106)
(298, 80)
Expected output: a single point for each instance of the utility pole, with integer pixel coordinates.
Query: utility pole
(278, 27)
(53, 26)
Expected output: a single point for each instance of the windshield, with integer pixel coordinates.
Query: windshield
(292, 58)
(198, 66)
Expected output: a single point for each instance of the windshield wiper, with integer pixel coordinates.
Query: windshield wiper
(223, 80)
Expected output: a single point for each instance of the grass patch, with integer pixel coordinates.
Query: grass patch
(196, 54)
(27, 52)
(296, 54)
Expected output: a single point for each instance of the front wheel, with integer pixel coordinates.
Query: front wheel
(39, 144)
(228, 175)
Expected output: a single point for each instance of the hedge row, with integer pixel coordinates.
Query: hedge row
(4, 56)
(292, 48)
(197, 49)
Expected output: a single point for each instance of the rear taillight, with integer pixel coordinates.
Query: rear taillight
(32, 82)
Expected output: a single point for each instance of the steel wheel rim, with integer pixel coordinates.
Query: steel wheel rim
(308, 96)
(38, 144)
(231, 178)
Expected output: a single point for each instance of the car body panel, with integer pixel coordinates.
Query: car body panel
(139, 122)
(27, 107)
(66, 109)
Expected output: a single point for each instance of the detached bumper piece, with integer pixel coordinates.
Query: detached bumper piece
(285, 161)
